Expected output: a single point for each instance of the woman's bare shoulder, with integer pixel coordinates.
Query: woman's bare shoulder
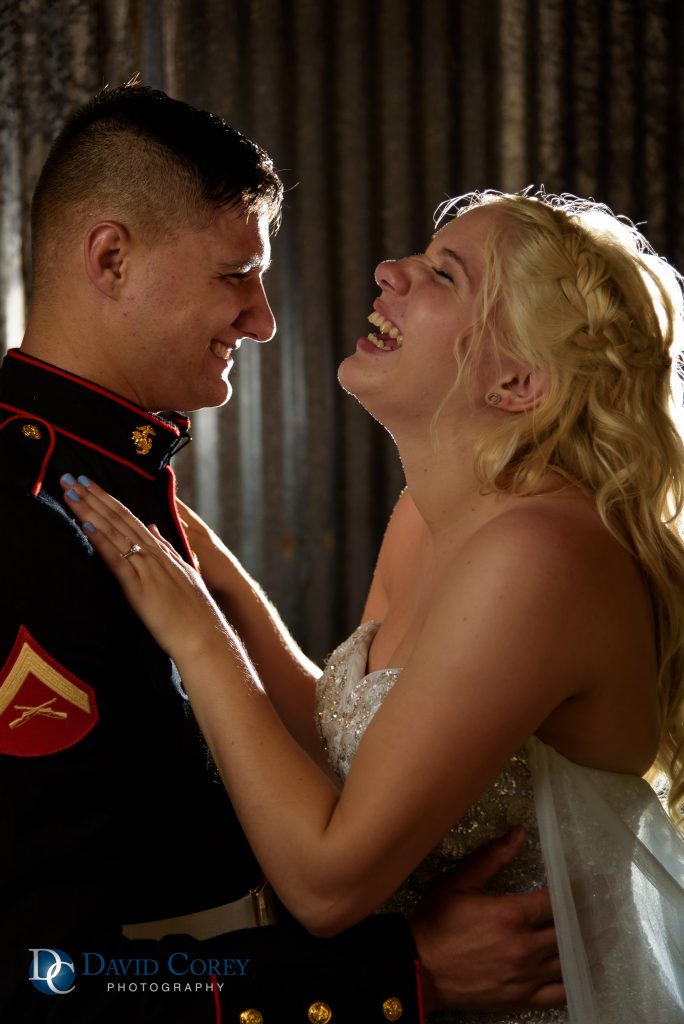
(548, 529)
(559, 561)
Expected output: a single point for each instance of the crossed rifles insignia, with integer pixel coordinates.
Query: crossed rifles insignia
(44, 708)
(29, 712)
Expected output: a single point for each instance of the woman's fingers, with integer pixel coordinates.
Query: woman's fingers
(87, 500)
(118, 537)
(167, 546)
(99, 510)
(162, 588)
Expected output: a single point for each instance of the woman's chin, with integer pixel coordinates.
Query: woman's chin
(346, 376)
(352, 380)
(358, 374)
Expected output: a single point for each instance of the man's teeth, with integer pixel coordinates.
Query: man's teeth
(219, 349)
(385, 327)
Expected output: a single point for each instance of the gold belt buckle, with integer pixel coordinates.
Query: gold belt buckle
(263, 905)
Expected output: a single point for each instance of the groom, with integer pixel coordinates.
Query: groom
(123, 862)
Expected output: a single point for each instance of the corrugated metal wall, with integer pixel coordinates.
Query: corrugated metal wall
(374, 110)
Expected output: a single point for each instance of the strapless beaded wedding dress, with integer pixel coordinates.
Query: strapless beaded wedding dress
(612, 860)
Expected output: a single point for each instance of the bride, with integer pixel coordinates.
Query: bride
(521, 656)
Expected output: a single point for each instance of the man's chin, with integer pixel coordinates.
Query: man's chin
(211, 399)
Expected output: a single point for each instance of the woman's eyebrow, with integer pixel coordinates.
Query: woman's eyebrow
(450, 254)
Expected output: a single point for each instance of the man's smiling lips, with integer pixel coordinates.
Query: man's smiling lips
(222, 349)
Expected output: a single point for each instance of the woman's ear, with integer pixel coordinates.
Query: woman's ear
(519, 390)
(105, 251)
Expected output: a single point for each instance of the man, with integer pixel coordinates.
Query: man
(123, 862)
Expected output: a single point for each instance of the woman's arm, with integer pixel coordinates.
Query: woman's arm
(429, 752)
(289, 677)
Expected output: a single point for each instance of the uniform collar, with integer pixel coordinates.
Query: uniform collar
(92, 414)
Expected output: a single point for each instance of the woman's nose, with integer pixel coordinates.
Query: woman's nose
(391, 275)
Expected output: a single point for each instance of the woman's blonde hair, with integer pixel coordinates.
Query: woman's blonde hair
(570, 288)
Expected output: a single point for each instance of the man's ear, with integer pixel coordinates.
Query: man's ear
(105, 249)
(520, 390)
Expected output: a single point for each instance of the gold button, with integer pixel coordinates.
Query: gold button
(392, 1008)
(251, 1017)
(32, 431)
(320, 1013)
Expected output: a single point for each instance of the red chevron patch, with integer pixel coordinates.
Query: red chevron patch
(44, 708)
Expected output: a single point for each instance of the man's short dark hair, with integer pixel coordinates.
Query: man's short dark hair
(134, 154)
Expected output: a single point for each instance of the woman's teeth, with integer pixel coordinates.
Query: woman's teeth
(387, 328)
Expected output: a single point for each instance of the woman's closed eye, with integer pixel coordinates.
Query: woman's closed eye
(440, 272)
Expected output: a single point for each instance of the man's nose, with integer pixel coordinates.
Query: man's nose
(256, 321)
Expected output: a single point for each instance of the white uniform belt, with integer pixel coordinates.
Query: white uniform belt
(253, 910)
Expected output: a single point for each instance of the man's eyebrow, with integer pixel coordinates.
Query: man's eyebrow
(450, 254)
(237, 267)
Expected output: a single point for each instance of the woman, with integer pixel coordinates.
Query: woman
(523, 640)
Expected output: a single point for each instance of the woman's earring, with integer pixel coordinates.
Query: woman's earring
(494, 398)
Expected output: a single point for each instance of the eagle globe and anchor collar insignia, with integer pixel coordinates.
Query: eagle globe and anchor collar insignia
(81, 411)
(44, 708)
(142, 438)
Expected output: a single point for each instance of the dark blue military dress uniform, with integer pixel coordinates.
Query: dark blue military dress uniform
(110, 810)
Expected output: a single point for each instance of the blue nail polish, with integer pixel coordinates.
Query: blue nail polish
(84, 481)
(69, 479)
(88, 527)
(73, 495)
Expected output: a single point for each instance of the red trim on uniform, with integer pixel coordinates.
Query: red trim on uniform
(217, 998)
(44, 708)
(137, 409)
(419, 994)
(176, 518)
(105, 451)
(37, 487)
(19, 412)
(23, 413)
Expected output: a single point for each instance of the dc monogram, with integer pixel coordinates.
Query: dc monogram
(52, 972)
